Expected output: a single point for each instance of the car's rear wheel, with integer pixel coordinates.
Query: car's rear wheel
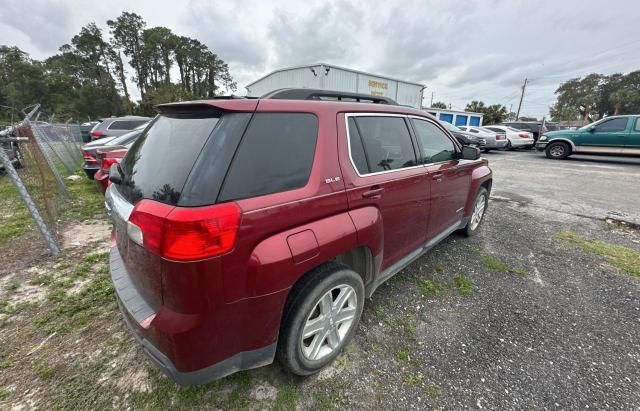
(321, 316)
(477, 214)
(558, 150)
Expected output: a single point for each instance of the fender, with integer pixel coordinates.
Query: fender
(370, 233)
(280, 260)
(566, 140)
(479, 176)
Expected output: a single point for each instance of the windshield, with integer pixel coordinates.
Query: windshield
(591, 124)
(486, 130)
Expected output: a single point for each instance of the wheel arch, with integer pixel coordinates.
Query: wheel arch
(572, 145)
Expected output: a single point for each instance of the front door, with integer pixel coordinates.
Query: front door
(632, 142)
(382, 171)
(608, 136)
(450, 177)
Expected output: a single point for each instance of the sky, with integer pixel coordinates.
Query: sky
(461, 50)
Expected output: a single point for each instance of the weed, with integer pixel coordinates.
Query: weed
(413, 379)
(433, 390)
(13, 286)
(463, 284)
(430, 286)
(42, 279)
(626, 259)
(402, 355)
(4, 393)
(287, 398)
(408, 325)
(495, 264)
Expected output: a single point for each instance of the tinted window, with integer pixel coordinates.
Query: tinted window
(637, 127)
(435, 144)
(357, 149)
(276, 154)
(126, 124)
(615, 124)
(159, 162)
(387, 143)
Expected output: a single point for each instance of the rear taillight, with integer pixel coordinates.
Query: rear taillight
(86, 155)
(523, 135)
(498, 137)
(184, 234)
(106, 164)
(97, 134)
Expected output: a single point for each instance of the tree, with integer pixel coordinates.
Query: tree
(579, 96)
(127, 36)
(493, 114)
(439, 104)
(525, 118)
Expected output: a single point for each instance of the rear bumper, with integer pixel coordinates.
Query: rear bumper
(521, 142)
(139, 315)
(496, 143)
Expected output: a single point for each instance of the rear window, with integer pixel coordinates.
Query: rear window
(125, 124)
(159, 162)
(275, 154)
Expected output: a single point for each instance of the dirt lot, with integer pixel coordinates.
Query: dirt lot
(540, 310)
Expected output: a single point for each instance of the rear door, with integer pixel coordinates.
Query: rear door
(632, 142)
(608, 136)
(384, 173)
(450, 177)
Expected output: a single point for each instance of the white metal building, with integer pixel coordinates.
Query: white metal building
(456, 117)
(329, 77)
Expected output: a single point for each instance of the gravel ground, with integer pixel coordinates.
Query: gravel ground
(564, 335)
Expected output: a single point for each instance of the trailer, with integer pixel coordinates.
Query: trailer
(329, 77)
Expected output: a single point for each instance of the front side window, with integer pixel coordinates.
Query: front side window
(435, 144)
(386, 141)
(637, 127)
(614, 124)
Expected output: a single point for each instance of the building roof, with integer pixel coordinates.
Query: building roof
(335, 67)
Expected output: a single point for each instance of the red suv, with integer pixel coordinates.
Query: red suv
(247, 229)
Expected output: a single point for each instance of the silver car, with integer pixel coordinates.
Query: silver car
(116, 126)
(494, 141)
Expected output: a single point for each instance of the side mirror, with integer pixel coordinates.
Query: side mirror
(470, 153)
(592, 129)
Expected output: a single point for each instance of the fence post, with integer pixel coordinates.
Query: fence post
(51, 241)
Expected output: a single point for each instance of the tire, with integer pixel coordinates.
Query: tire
(557, 150)
(481, 200)
(306, 356)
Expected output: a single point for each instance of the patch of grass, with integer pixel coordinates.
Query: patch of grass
(408, 325)
(494, 264)
(4, 393)
(13, 286)
(402, 355)
(102, 257)
(287, 398)
(624, 258)
(497, 265)
(86, 202)
(433, 390)
(463, 284)
(438, 268)
(413, 379)
(42, 279)
(430, 286)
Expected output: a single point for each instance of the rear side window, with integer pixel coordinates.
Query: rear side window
(387, 143)
(159, 162)
(615, 124)
(357, 149)
(275, 154)
(435, 144)
(125, 124)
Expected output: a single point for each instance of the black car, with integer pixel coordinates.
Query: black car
(463, 137)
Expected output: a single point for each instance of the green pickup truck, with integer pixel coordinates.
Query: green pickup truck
(611, 135)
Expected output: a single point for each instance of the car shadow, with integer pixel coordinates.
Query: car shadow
(632, 161)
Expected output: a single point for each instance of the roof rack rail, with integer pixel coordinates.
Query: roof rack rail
(326, 95)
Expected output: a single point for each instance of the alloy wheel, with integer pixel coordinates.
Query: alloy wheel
(478, 211)
(329, 322)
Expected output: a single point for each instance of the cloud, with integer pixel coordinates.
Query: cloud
(462, 51)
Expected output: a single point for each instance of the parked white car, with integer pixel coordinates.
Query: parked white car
(517, 138)
(494, 140)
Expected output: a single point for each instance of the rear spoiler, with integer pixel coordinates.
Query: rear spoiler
(207, 107)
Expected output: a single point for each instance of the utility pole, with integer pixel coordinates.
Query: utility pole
(431, 105)
(524, 86)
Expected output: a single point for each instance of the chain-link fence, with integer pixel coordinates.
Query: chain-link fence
(38, 157)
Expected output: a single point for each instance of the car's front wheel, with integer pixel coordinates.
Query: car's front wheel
(558, 150)
(321, 316)
(477, 214)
